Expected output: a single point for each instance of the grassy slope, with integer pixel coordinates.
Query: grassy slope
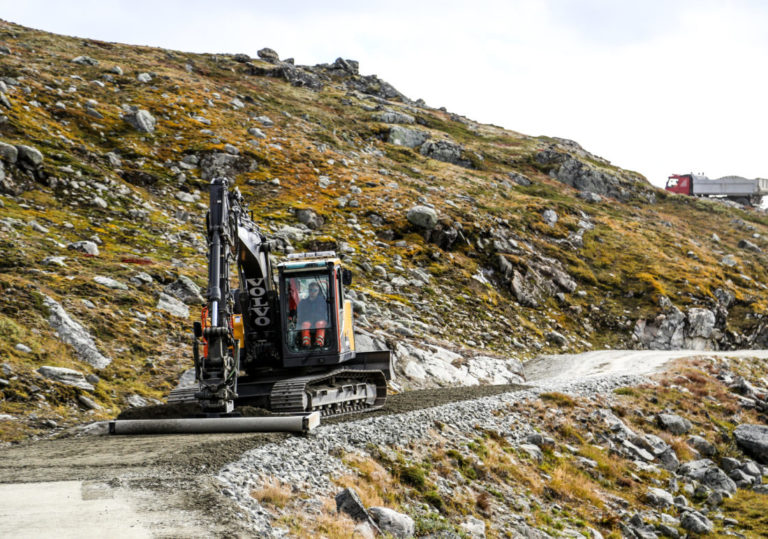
(635, 252)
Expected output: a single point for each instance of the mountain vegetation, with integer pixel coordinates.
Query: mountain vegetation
(474, 247)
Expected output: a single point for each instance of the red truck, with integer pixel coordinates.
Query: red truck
(742, 190)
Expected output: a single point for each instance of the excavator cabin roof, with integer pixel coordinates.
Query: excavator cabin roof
(300, 261)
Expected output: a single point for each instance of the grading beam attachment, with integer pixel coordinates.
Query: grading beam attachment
(295, 423)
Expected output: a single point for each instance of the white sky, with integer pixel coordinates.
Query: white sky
(655, 86)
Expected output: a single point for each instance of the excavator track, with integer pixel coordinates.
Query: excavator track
(340, 392)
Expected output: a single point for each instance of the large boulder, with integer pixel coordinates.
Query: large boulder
(583, 177)
(410, 138)
(753, 440)
(666, 332)
(444, 150)
(268, 55)
(708, 474)
(701, 323)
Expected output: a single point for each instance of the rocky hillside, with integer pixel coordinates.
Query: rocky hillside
(681, 455)
(473, 246)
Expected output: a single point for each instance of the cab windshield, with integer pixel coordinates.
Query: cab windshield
(309, 320)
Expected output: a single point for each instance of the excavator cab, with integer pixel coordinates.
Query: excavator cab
(317, 319)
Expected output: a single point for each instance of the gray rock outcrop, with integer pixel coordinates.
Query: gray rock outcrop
(444, 150)
(403, 136)
(73, 333)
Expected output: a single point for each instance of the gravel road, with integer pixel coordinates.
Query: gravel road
(198, 485)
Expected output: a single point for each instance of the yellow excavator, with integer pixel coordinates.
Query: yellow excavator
(284, 343)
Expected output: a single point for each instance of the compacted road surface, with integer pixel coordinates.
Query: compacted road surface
(161, 486)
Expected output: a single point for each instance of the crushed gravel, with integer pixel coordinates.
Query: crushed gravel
(307, 463)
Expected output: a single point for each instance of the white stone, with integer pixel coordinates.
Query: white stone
(173, 306)
(110, 283)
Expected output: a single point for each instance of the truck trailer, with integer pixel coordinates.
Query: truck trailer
(742, 190)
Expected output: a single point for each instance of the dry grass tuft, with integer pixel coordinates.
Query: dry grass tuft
(274, 493)
(571, 485)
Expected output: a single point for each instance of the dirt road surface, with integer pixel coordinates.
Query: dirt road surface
(163, 486)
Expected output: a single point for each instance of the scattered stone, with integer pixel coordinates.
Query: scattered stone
(266, 121)
(729, 260)
(550, 217)
(753, 440)
(65, 376)
(749, 246)
(110, 283)
(141, 120)
(8, 153)
(71, 332)
(29, 155)
(173, 306)
(533, 451)
(23, 348)
(695, 522)
(473, 527)
(589, 196)
(85, 60)
(310, 218)
(422, 216)
(519, 179)
(673, 423)
(394, 117)
(348, 501)
(256, 132)
(136, 401)
(117, 70)
(659, 498)
(185, 290)
(446, 151)
(392, 522)
(88, 403)
(701, 445)
(87, 247)
(144, 77)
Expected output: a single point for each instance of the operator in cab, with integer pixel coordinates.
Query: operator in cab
(313, 315)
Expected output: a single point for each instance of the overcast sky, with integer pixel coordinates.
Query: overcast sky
(655, 86)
